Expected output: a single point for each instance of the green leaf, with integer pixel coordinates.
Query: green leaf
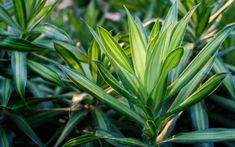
(155, 31)
(45, 72)
(53, 32)
(23, 126)
(226, 103)
(6, 90)
(193, 84)
(81, 140)
(197, 63)
(107, 76)
(128, 79)
(71, 55)
(101, 120)
(20, 13)
(199, 116)
(106, 136)
(155, 59)
(114, 50)
(138, 47)
(31, 7)
(5, 17)
(179, 30)
(41, 12)
(228, 82)
(159, 91)
(203, 136)
(101, 95)
(207, 88)
(3, 138)
(18, 44)
(94, 54)
(19, 69)
(70, 125)
(171, 18)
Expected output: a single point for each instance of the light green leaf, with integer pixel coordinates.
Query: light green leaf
(138, 48)
(171, 18)
(41, 13)
(155, 31)
(114, 50)
(179, 30)
(195, 65)
(207, 88)
(159, 91)
(155, 59)
(70, 125)
(94, 54)
(101, 95)
(45, 72)
(19, 68)
(71, 55)
(199, 116)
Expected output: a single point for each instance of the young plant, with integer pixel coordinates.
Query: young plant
(158, 80)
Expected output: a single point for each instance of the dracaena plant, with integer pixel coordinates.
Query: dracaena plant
(156, 82)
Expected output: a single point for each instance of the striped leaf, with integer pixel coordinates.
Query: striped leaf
(101, 95)
(19, 44)
(20, 13)
(105, 136)
(138, 47)
(70, 125)
(114, 50)
(159, 91)
(94, 54)
(19, 69)
(6, 18)
(53, 32)
(83, 139)
(6, 90)
(204, 90)
(207, 88)
(199, 116)
(45, 72)
(107, 76)
(203, 136)
(179, 30)
(196, 64)
(71, 55)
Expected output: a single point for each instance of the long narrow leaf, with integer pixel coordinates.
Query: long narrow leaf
(101, 95)
(19, 68)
